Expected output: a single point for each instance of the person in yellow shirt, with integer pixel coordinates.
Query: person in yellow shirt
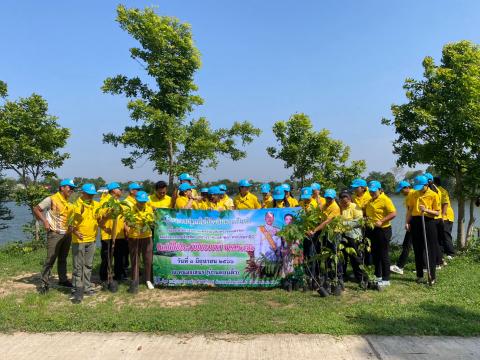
(109, 250)
(361, 196)
(351, 214)
(216, 199)
(278, 197)
(319, 199)
(133, 189)
(185, 178)
(245, 199)
(380, 211)
(307, 202)
(160, 200)
(83, 224)
(267, 200)
(227, 202)
(185, 199)
(138, 226)
(438, 220)
(423, 203)
(448, 217)
(289, 201)
(204, 200)
(405, 189)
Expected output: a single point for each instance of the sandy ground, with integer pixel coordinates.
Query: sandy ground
(283, 346)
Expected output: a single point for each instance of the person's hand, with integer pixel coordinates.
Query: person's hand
(78, 234)
(378, 223)
(407, 227)
(46, 225)
(422, 208)
(310, 232)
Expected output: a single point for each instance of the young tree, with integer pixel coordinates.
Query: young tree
(160, 107)
(387, 180)
(440, 123)
(5, 195)
(313, 155)
(31, 141)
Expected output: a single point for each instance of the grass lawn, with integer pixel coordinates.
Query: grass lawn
(451, 307)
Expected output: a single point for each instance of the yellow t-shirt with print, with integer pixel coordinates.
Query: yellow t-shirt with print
(380, 207)
(429, 199)
(140, 228)
(84, 219)
(249, 201)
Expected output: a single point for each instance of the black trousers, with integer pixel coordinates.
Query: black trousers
(440, 240)
(406, 246)
(121, 254)
(118, 263)
(355, 260)
(380, 239)
(418, 243)
(448, 247)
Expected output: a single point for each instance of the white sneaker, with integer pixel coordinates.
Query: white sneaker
(449, 257)
(384, 283)
(438, 267)
(396, 269)
(378, 279)
(150, 285)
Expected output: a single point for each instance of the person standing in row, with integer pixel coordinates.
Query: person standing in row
(267, 200)
(216, 196)
(319, 199)
(185, 198)
(106, 234)
(185, 178)
(423, 203)
(83, 220)
(307, 202)
(160, 199)
(380, 211)
(448, 218)
(227, 202)
(140, 241)
(290, 201)
(56, 208)
(133, 189)
(203, 202)
(245, 199)
(360, 196)
(405, 189)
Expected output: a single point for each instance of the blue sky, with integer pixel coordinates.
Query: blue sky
(341, 62)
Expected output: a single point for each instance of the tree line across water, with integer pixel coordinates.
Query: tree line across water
(437, 126)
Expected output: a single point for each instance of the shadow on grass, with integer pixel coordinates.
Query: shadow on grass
(431, 319)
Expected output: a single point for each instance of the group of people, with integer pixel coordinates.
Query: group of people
(128, 236)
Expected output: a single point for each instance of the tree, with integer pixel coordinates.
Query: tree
(440, 123)
(313, 155)
(31, 141)
(387, 180)
(5, 195)
(160, 107)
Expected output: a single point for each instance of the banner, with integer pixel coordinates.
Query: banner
(228, 248)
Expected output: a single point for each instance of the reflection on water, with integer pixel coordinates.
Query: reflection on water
(22, 215)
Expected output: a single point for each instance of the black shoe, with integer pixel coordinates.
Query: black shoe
(66, 283)
(90, 292)
(104, 286)
(77, 296)
(133, 289)
(43, 290)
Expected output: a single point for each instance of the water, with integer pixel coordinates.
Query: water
(22, 215)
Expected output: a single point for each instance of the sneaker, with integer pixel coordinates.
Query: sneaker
(66, 283)
(43, 290)
(150, 285)
(383, 283)
(396, 269)
(133, 289)
(438, 267)
(378, 279)
(449, 257)
(77, 296)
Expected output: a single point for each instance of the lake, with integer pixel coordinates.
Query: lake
(22, 216)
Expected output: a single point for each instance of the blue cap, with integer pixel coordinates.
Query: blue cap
(204, 190)
(428, 176)
(316, 186)
(357, 183)
(215, 190)
(89, 189)
(419, 182)
(134, 186)
(113, 186)
(306, 193)
(286, 187)
(265, 188)
(402, 184)
(278, 193)
(185, 176)
(244, 183)
(185, 187)
(330, 193)
(68, 182)
(374, 185)
(141, 197)
(222, 187)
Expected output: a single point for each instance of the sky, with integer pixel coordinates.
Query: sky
(343, 63)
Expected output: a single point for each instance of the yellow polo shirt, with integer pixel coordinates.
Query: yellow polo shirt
(248, 201)
(352, 212)
(292, 201)
(380, 207)
(83, 218)
(219, 206)
(141, 228)
(182, 201)
(332, 210)
(268, 203)
(227, 202)
(450, 215)
(429, 199)
(156, 203)
(108, 224)
(312, 205)
(363, 200)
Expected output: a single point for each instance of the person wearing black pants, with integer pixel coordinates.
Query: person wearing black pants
(423, 202)
(404, 188)
(380, 211)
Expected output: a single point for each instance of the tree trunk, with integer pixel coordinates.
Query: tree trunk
(471, 219)
(171, 175)
(461, 210)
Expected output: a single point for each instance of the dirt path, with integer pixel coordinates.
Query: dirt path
(232, 347)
